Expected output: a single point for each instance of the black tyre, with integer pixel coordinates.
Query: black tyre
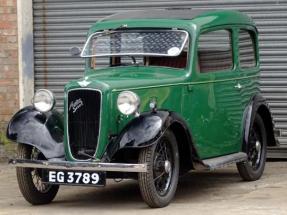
(158, 185)
(252, 169)
(30, 180)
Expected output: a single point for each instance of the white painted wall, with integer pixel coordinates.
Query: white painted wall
(25, 51)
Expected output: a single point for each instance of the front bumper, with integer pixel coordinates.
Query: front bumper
(79, 166)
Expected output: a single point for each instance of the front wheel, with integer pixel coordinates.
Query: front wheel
(253, 168)
(30, 180)
(158, 185)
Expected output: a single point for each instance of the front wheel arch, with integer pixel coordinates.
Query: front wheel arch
(118, 150)
(43, 131)
(186, 150)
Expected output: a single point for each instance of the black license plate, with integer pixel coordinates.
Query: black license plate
(76, 178)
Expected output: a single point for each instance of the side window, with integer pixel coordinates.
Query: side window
(247, 58)
(215, 51)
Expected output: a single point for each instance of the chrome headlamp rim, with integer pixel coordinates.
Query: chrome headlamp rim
(50, 95)
(135, 105)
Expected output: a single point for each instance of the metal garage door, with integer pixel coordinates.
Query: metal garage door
(61, 24)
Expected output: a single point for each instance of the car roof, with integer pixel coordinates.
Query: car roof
(182, 18)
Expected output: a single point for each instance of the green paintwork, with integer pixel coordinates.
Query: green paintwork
(209, 103)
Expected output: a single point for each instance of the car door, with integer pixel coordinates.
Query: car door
(216, 102)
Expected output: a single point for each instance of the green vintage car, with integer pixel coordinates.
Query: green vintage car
(179, 92)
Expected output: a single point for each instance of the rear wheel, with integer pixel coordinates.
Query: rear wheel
(158, 185)
(30, 180)
(253, 168)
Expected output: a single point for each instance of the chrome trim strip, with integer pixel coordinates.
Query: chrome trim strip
(185, 83)
(136, 54)
(100, 123)
(79, 166)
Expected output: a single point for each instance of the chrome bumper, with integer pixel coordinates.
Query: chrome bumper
(79, 166)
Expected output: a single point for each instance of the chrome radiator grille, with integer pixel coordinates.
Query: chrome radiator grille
(84, 107)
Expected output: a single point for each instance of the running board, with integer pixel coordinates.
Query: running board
(219, 162)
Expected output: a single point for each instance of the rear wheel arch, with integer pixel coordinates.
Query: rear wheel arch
(252, 169)
(258, 105)
(265, 114)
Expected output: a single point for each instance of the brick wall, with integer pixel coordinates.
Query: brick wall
(9, 78)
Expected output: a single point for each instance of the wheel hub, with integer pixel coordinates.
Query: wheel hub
(258, 146)
(167, 166)
(258, 149)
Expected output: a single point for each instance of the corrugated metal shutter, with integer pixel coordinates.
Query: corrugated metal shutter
(61, 24)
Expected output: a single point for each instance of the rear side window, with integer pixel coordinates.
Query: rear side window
(215, 51)
(247, 58)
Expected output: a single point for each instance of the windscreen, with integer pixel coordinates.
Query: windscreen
(135, 43)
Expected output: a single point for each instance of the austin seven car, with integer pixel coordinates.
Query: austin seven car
(164, 92)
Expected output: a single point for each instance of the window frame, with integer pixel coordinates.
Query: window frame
(190, 40)
(231, 31)
(132, 30)
(253, 33)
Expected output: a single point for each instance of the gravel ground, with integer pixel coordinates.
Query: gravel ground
(218, 192)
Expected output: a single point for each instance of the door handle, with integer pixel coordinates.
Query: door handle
(238, 86)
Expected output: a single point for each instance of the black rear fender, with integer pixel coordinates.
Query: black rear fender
(258, 105)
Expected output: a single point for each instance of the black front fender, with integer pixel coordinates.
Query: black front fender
(143, 130)
(42, 130)
(140, 132)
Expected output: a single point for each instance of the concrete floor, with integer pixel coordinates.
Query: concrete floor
(218, 192)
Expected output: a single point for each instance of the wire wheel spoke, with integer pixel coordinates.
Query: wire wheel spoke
(37, 174)
(254, 152)
(162, 167)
